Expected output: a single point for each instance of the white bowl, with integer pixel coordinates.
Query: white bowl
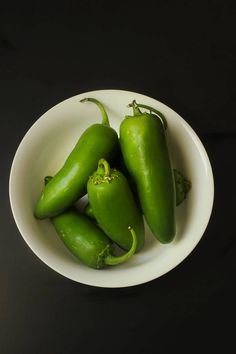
(44, 149)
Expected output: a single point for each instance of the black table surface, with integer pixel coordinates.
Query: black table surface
(179, 52)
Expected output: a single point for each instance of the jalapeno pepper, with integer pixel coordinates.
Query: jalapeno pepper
(182, 187)
(145, 151)
(114, 206)
(88, 211)
(86, 241)
(69, 184)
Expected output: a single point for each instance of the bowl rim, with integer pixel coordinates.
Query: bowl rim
(147, 277)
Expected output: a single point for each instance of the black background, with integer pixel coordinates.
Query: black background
(179, 52)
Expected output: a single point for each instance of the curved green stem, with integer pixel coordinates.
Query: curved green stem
(136, 110)
(158, 113)
(113, 260)
(102, 163)
(105, 120)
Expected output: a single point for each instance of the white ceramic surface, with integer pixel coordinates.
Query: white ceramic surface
(44, 149)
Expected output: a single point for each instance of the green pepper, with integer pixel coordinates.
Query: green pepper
(86, 241)
(182, 187)
(114, 206)
(145, 151)
(69, 184)
(88, 211)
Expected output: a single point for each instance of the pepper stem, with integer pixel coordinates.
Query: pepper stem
(136, 110)
(105, 120)
(158, 113)
(113, 260)
(102, 163)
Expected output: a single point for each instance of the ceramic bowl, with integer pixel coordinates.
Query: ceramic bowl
(43, 151)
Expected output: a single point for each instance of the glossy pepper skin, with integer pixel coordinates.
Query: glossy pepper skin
(182, 187)
(88, 211)
(182, 184)
(69, 184)
(86, 241)
(145, 152)
(114, 206)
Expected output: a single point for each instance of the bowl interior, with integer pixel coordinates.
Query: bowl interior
(43, 151)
